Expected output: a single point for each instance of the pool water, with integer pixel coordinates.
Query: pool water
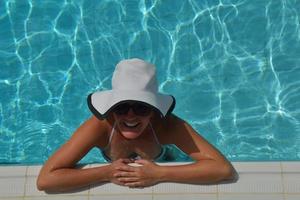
(233, 66)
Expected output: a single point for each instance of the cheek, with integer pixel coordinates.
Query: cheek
(117, 118)
(145, 122)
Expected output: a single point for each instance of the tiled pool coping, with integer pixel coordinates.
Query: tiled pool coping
(257, 180)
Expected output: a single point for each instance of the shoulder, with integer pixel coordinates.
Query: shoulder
(93, 132)
(186, 138)
(169, 127)
(169, 122)
(180, 132)
(99, 131)
(173, 119)
(175, 123)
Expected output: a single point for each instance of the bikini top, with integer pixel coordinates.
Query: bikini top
(146, 146)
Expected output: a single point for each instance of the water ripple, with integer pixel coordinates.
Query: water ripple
(233, 66)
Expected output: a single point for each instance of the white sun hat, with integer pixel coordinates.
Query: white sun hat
(133, 80)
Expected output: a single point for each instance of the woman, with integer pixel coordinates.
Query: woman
(133, 125)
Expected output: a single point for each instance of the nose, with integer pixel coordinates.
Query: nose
(130, 113)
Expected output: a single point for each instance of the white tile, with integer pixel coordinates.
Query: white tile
(31, 189)
(13, 186)
(57, 197)
(33, 170)
(183, 188)
(121, 197)
(292, 196)
(110, 188)
(184, 196)
(12, 171)
(261, 178)
(255, 183)
(247, 167)
(291, 167)
(251, 197)
(291, 182)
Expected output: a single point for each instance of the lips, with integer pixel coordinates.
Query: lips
(131, 130)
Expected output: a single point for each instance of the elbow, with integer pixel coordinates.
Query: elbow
(42, 183)
(228, 173)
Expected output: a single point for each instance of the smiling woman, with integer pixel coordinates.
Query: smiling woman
(133, 124)
(132, 135)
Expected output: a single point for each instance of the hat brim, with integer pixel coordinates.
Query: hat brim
(101, 103)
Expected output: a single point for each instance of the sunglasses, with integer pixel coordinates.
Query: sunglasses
(137, 108)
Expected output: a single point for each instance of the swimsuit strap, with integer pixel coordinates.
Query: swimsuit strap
(103, 151)
(161, 155)
(111, 133)
(155, 137)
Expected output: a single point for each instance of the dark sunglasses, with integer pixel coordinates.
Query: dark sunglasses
(137, 108)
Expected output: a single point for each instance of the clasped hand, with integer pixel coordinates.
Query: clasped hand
(146, 174)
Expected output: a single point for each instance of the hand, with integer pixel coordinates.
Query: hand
(115, 168)
(138, 177)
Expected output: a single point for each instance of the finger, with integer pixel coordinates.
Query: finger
(125, 160)
(127, 168)
(133, 184)
(119, 183)
(124, 174)
(124, 168)
(128, 180)
(137, 187)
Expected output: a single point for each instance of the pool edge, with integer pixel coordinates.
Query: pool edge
(272, 180)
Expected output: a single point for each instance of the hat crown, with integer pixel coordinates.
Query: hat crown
(133, 80)
(134, 74)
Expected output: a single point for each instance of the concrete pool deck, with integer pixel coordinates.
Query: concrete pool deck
(257, 181)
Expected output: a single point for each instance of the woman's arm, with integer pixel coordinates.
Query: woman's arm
(200, 172)
(210, 165)
(59, 172)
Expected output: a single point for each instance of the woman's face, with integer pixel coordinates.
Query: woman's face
(130, 124)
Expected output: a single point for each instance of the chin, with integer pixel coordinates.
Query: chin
(130, 135)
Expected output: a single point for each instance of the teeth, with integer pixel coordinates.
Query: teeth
(130, 124)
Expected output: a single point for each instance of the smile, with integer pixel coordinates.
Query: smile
(131, 125)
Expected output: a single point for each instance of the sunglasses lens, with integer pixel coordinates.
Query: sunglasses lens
(122, 109)
(140, 109)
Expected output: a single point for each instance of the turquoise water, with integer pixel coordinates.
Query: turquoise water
(233, 66)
